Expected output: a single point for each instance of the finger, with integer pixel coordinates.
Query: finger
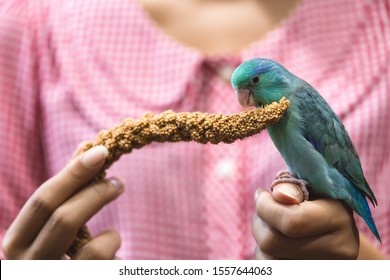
(273, 243)
(52, 194)
(306, 219)
(287, 193)
(58, 233)
(102, 247)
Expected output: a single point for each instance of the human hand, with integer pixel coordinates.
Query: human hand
(286, 227)
(50, 219)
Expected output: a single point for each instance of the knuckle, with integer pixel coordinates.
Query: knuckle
(61, 221)
(41, 205)
(104, 190)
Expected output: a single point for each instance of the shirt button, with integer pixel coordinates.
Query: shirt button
(225, 73)
(225, 168)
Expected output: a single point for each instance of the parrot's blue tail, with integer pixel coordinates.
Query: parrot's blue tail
(371, 224)
(360, 205)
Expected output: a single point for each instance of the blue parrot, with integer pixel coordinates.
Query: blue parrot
(310, 137)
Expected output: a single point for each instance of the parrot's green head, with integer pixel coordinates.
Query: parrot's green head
(261, 81)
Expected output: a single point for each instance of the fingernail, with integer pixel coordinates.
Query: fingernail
(288, 190)
(94, 157)
(118, 184)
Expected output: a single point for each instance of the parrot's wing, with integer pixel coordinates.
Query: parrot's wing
(327, 134)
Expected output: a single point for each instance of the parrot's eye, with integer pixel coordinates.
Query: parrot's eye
(255, 79)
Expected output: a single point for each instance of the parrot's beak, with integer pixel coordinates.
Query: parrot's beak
(245, 97)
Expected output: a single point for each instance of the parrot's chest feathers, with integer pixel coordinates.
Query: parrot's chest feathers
(299, 154)
(286, 132)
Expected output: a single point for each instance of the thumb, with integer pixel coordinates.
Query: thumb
(287, 193)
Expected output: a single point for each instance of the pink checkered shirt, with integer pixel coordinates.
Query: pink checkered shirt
(69, 68)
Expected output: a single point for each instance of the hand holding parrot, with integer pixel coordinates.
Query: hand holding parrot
(287, 227)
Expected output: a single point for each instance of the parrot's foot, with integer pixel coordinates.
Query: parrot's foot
(285, 176)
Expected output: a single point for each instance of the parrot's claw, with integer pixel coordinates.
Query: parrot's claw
(285, 176)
